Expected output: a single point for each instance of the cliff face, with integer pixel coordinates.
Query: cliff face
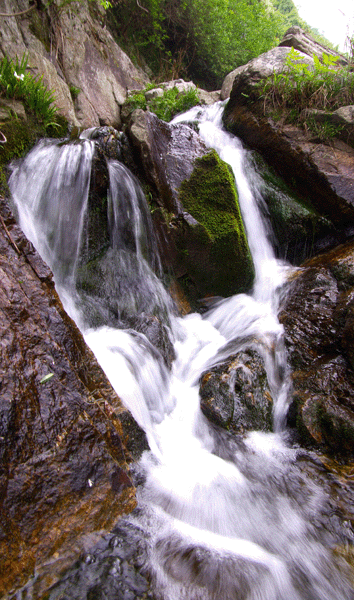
(69, 45)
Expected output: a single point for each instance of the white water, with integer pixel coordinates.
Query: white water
(226, 518)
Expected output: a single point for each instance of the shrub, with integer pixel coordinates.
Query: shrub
(167, 106)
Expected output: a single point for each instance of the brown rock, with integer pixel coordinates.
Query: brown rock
(63, 470)
(323, 174)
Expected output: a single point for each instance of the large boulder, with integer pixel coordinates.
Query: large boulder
(201, 228)
(297, 38)
(64, 434)
(273, 61)
(242, 80)
(317, 315)
(76, 55)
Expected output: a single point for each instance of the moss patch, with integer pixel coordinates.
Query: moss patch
(215, 249)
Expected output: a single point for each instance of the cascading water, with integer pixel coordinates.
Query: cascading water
(226, 518)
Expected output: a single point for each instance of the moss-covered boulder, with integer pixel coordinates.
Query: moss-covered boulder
(212, 244)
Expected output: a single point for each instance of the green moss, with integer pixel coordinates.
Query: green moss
(219, 257)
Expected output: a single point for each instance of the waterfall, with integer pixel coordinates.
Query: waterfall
(227, 518)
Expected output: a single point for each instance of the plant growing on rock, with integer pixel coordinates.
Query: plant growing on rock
(16, 82)
(166, 106)
(323, 86)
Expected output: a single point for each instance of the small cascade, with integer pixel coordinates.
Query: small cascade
(50, 189)
(224, 518)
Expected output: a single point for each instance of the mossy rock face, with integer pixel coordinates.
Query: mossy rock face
(213, 244)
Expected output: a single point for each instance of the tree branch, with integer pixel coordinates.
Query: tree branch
(23, 12)
(142, 7)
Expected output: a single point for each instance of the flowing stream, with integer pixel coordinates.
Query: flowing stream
(226, 518)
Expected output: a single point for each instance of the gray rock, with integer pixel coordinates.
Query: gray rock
(297, 38)
(155, 93)
(81, 54)
(244, 78)
(167, 153)
(235, 394)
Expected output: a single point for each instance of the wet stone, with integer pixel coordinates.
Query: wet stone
(112, 570)
(235, 395)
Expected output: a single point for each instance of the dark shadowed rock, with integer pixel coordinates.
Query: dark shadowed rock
(296, 228)
(318, 322)
(322, 174)
(300, 159)
(63, 469)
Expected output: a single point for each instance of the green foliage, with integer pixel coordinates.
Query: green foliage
(74, 92)
(291, 18)
(16, 82)
(173, 102)
(325, 131)
(190, 38)
(323, 86)
(167, 106)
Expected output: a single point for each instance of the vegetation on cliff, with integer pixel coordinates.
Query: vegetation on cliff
(40, 116)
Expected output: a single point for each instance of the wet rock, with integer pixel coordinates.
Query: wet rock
(299, 158)
(109, 569)
(157, 333)
(63, 465)
(317, 317)
(211, 238)
(201, 228)
(235, 394)
(296, 229)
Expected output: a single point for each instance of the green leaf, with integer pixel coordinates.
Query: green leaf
(47, 378)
